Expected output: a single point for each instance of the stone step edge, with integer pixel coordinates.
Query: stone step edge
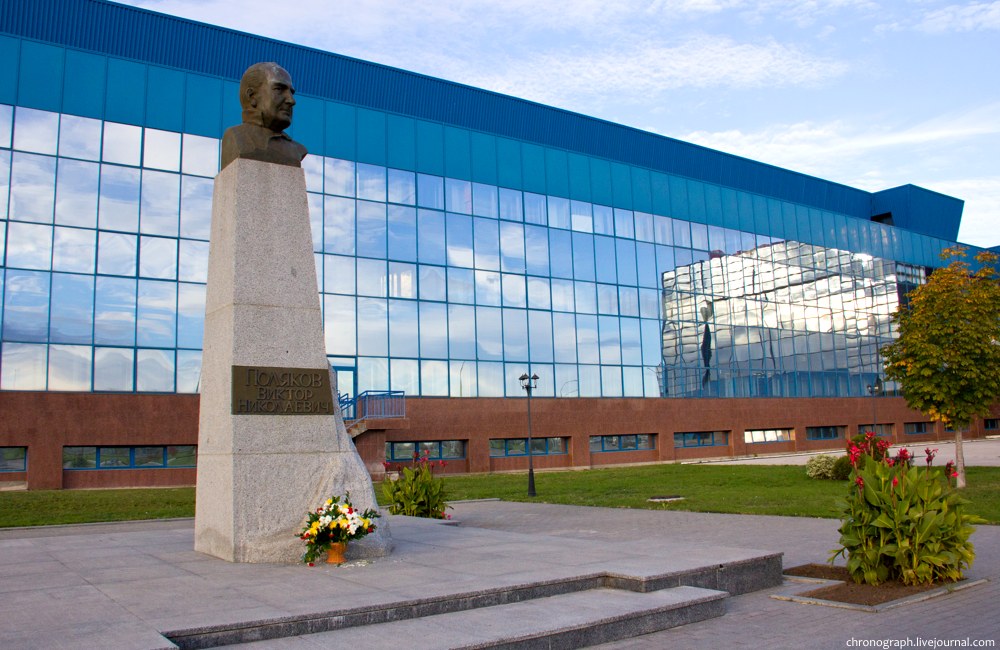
(735, 578)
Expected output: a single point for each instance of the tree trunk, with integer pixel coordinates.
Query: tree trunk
(959, 459)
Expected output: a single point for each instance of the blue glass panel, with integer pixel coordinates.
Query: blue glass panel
(72, 308)
(488, 288)
(402, 141)
(190, 315)
(41, 76)
(114, 311)
(430, 147)
(83, 84)
(583, 256)
(484, 158)
(515, 335)
(8, 72)
(579, 177)
(458, 196)
(306, 129)
(564, 337)
(508, 162)
(558, 212)
(587, 340)
(126, 91)
(624, 224)
(402, 233)
(371, 136)
(696, 201)
(338, 225)
(154, 371)
(604, 251)
(610, 338)
(626, 261)
(459, 238)
(433, 330)
(642, 198)
(341, 131)
(461, 332)
(402, 187)
(340, 325)
(489, 333)
(113, 369)
(621, 185)
(660, 189)
(563, 295)
(540, 335)
(535, 209)
(373, 337)
(430, 237)
(403, 339)
(533, 170)
(458, 156)
(487, 244)
(371, 234)
(631, 341)
(461, 286)
(32, 183)
(156, 314)
(560, 253)
(26, 306)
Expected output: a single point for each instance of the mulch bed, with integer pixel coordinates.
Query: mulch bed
(851, 592)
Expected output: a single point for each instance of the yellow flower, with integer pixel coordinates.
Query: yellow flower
(328, 502)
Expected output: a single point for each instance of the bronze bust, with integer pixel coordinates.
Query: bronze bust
(267, 98)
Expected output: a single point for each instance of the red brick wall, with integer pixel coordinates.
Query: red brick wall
(45, 422)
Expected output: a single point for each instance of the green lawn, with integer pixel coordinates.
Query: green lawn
(747, 489)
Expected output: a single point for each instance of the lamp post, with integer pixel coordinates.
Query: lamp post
(529, 384)
(875, 390)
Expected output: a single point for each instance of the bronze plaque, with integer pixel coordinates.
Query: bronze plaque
(281, 391)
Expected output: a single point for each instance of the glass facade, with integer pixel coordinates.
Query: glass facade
(449, 260)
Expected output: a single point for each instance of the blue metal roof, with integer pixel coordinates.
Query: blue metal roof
(141, 35)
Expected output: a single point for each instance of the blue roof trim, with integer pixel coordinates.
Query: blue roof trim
(124, 31)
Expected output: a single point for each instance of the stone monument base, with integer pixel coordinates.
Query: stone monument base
(268, 455)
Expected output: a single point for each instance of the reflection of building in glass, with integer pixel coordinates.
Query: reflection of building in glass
(461, 238)
(783, 319)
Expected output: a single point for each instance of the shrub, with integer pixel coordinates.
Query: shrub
(820, 466)
(902, 522)
(417, 492)
(842, 469)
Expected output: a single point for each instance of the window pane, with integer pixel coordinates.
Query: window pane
(113, 457)
(162, 150)
(26, 306)
(156, 314)
(402, 187)
(79, 137)
(114, 311)
(196, 207)
(72, 308)
(122, 143)
(35, 130)
(113, 369)
(190, 315)
(338, 177)
(119, 203)
(371, 182)
(149, 456)
(200, 155)
(155, 371)
(182, 456)
(160, 203)
(194, 261)
(79, 457)
(402, 233)
(29, 245)
(158, 258)
(188, 371)
(22, 366)
(32, 187)
(76, 193)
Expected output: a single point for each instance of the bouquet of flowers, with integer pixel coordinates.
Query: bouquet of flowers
(334, 522)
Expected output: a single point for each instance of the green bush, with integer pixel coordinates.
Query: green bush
(842, 469)
(416, 492)
(820, 466)
(902, 522)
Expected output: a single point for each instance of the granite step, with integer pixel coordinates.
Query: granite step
(572, 620)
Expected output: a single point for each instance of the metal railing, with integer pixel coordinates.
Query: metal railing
(374, 404)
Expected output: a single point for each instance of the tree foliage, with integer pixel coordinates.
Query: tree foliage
(947, 356)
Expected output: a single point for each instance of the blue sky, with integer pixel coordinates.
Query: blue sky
(866, 93)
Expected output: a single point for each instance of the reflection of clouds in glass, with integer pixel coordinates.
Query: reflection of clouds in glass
(33, 184)
(116, 253)
(119, 202)
(114, 311)
(122, 143)
(29, 246)
(190, 315)
(6, 120)
(200, 155)
(69, 367)
(26, 306)
(80, 137)
(158, 258)
(113, 369)
(76, 193)
(35, 130)
(155, 313)
(193, 261)
(155, 371)
(161, 150)
(160, 203)
(22, 367)
(196, 207)
(188, 371)
(72, 308)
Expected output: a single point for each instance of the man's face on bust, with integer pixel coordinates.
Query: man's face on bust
(275, 99)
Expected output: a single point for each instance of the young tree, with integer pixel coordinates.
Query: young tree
(947, 356)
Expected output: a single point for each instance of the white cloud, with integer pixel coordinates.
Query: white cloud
(643, 72)
(961, 18)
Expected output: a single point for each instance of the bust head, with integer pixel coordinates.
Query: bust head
(267, 96)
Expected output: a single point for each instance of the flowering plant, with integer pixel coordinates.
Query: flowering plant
(334, 522)
(416, 491)
(902, 522)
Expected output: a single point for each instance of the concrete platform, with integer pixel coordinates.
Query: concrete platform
(141, 585)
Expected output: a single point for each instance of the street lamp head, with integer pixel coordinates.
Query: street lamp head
(523, 378)
(534, 377)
